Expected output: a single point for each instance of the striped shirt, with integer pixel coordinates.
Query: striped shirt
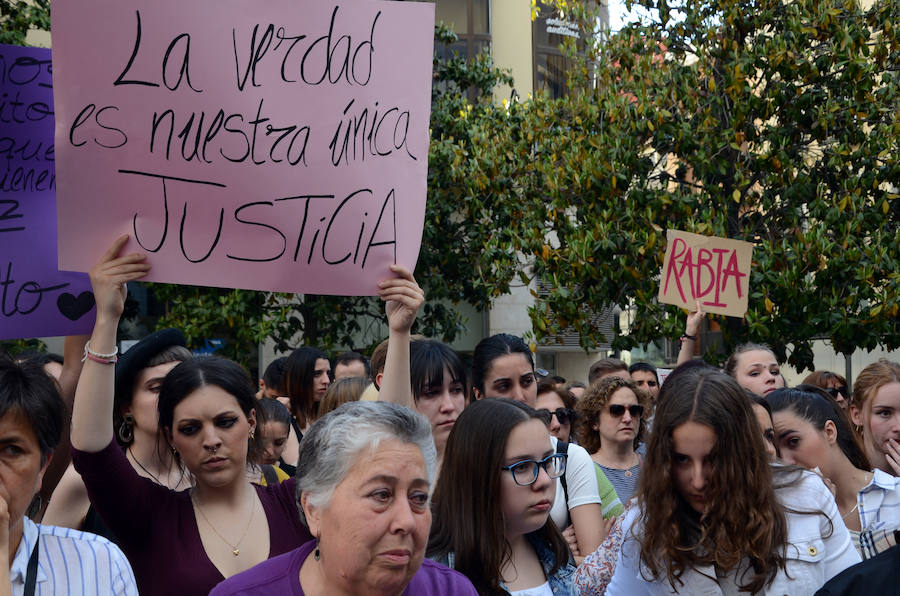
(71, 562)
(879, 514)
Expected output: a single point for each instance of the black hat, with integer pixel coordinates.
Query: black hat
(136, 358)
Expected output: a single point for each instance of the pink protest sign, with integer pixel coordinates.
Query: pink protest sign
(36, 299)
(278, 145)
(713, 271)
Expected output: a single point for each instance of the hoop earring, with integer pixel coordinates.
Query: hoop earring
(126, 429)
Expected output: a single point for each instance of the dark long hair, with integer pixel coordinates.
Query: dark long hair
(491, 348)
(197, 373)
(468, 516)
(299, 373)
(427, 360)
(744, 520)
(817, 407)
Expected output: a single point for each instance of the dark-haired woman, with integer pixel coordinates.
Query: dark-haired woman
(138, 376)
(492, 503)
(713, 516)
(185, 541)
(814, 432)
(502, 366)
(306, 379)
(438, 380)
(558, 408)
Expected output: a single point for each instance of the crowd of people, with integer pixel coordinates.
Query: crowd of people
(412, 472)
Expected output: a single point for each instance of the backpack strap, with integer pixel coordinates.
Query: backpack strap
(563, 447)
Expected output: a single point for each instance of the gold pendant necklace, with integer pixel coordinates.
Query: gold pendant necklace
(234, 547)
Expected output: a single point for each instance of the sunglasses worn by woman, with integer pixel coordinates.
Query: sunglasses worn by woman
(618, 410)
(563, 415)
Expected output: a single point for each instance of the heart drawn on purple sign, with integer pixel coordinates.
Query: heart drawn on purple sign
(75, 308)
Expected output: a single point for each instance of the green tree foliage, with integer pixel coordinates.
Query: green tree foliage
(17, 17)
(770, 121)
(447, 262)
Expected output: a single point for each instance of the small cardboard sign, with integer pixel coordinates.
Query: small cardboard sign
(278, 145)
(36, 299)
(713, 271)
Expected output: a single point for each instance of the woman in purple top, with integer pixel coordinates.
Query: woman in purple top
(181, 542)
(363, 485)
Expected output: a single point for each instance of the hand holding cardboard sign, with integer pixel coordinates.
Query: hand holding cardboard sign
(694, 319)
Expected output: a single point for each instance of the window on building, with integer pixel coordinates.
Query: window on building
(470, 20)
(549, 31)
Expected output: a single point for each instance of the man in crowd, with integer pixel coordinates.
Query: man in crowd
(350, 364)
(644, 376)
(608, 367)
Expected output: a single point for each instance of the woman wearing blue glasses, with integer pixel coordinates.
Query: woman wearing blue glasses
(492, 503)
(610, 425)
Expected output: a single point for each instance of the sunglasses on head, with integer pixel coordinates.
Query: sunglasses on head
(618, 410)
(835, 391)
(563, 415)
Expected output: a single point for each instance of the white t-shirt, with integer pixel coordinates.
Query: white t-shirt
(541, 590)
(581, 481)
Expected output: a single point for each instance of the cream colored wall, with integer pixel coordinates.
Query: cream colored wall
(574, 366)
(511, 44)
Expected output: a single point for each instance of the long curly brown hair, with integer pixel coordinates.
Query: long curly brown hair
(595, 399)
(745, 521)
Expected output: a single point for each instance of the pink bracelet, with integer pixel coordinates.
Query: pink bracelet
(90, 354)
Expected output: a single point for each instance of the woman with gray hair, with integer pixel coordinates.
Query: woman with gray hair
(363, 489)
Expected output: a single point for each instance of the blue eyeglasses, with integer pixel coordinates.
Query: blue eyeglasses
(525, 472)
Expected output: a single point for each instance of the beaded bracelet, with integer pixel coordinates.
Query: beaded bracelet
(90, 354)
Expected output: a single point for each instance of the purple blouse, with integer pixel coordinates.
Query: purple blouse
(157, 529)
(281, 575)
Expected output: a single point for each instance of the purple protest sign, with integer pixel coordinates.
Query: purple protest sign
(36, 299)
